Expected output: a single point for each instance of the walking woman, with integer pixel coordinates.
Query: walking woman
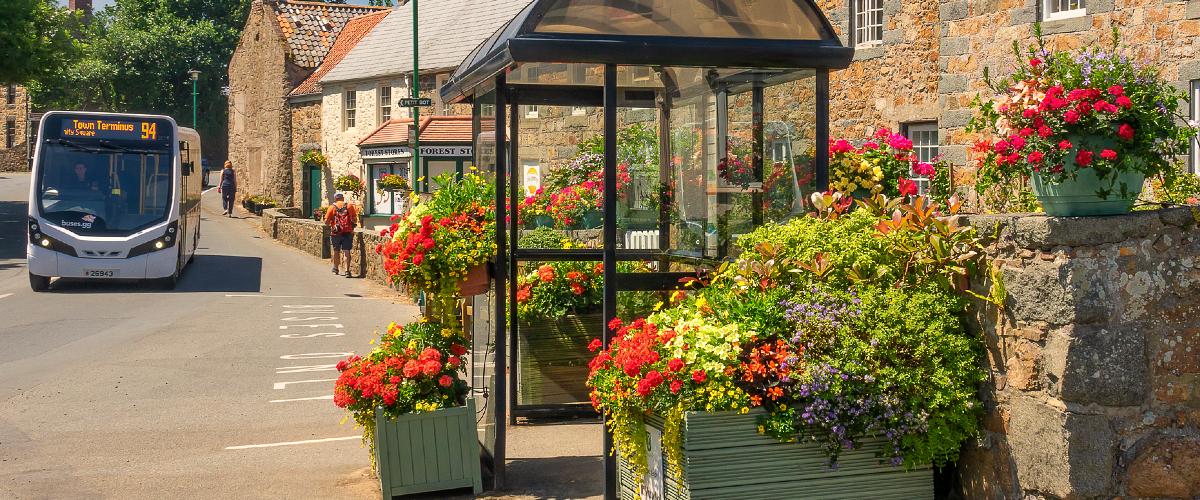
(228, 188)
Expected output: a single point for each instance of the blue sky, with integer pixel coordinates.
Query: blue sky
(100, 4)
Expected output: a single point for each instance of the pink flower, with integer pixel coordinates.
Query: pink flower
(1035, 62)
(841, 146)
(1125, 131)
(897, 141)
(871, 145)
(1018, 142)
(1045, 132)
(1071, 117)
(1065, 145)
(1025, 132)
(1036, 157)
(1124, 102)
(907, 187)
(1029, 113)
(1116, 90)
(923, 169)
(1108, 154)
(1001, 146)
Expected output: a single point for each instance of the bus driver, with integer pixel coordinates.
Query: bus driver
(80, 182)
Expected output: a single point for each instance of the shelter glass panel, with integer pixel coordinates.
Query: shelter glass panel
(763, 19)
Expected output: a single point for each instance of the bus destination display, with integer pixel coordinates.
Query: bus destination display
(111, 129)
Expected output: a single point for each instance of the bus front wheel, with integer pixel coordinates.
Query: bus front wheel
(39, 283)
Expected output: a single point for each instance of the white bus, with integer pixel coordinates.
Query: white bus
(113, 196)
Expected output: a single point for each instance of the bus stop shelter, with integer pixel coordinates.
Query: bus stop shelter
(737, 92)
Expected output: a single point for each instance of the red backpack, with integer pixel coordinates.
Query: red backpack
(342, 222)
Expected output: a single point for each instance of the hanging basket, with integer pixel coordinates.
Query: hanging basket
(476, 282)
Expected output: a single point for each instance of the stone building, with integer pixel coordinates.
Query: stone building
(283, 43)
(362, 92)
(919, 64)
(14, 118)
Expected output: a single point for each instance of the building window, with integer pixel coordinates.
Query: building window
(351, 107)
(10, 132)
(1195, 116)
(385, 104)
(868, 22)
(780, 150)
(11, 96)
(578, 110)
(1063, 9)
(924, 137)
(531, 111)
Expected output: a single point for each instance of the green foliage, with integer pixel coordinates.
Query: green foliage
(637, 146)
(1176, 187)
(135, 57)
(314, 157)
(544, 238)
(36, 36)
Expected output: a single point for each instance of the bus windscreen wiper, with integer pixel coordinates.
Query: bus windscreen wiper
(124, 149)
(75, 145)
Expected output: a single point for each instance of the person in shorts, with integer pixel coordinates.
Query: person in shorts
(341, 218)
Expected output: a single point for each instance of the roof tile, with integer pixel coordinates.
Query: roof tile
(351, 34)
(434, 130)
(314, 25)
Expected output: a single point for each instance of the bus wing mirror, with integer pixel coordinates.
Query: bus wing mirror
(50, 193)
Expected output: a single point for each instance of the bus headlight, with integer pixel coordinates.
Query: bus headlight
(46, 243)
(167, 240)
(158, 245)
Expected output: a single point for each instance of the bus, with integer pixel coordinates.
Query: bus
(113, 197)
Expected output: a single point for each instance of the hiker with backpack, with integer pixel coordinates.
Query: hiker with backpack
(341, 218)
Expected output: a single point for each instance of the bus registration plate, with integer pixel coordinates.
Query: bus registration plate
(100, 273)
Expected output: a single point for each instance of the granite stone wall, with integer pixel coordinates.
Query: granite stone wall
(259, 120)
(1094, 358)
(16, 158)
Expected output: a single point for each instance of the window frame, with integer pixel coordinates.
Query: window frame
(349, 109)
(10, 132)
(1049, 14)
(860, 12)
(11, 97)
(531, 111)
(1194, 105)
(910, 130)
(385, 104)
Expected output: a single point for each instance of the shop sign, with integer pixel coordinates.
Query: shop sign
(388, 152)
(446, 150)
(652, 484)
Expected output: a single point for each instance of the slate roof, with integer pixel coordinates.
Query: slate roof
(351, 34)
(434, 130)
(449, 31)
(310, 28)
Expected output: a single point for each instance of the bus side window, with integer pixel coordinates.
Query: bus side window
(185, 158)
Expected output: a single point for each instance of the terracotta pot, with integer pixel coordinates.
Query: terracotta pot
(476, 282)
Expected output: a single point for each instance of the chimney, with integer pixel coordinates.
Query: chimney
(84, 5)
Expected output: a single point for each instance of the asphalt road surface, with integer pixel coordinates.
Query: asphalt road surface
(218, 389)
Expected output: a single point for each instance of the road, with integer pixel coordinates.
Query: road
(218, 389)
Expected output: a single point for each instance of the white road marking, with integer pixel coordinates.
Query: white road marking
(298, 369)
(291, 296)
(292, 443)
(209, 190)
(317, 355)
(5, 295)
(311, 335)
(314, 318)
(318, 398)
(283, 385)
(321, 325)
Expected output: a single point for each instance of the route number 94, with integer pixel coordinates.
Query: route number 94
(149, 130)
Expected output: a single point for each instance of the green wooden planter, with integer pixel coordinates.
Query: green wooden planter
(726, 458)
(552, 364)
(1078, 197)
(592, 219)
(424, 452)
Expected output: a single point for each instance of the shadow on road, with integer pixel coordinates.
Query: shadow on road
(207, 273)
(13, 216)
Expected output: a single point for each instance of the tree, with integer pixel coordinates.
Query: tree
(35, 37)
(136, 59)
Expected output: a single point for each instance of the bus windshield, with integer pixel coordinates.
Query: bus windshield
(104, 187)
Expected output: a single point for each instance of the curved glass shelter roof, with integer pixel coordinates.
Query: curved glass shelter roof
(777, 34)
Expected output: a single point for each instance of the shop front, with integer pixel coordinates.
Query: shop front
(445, 147)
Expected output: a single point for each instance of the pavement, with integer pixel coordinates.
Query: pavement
(218, 389)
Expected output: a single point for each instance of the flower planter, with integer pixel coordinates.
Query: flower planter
(1078, 197)
(537, 221)
(591, 219)
(476, 282)
(725, 457)
(552, 365)
(424, 452)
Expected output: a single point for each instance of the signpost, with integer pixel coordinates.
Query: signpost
(413, 102)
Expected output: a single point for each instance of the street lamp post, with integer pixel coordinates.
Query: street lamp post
(195, 74)
(416, 93)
